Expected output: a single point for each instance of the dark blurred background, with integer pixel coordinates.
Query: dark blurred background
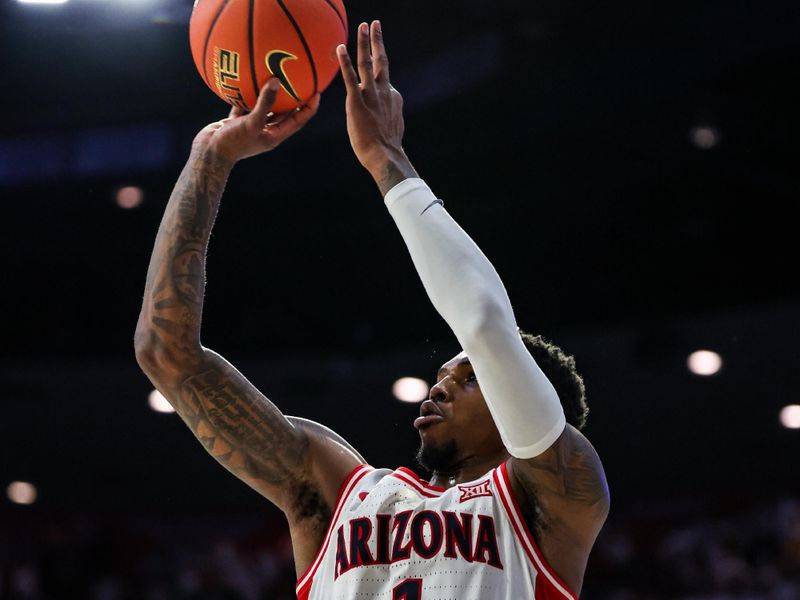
(629, 168)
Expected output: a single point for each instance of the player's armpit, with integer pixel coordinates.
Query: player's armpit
(330, 459)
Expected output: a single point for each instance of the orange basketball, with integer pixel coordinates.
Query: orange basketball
(238, 44)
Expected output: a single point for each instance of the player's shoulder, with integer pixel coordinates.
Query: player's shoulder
(568, 473)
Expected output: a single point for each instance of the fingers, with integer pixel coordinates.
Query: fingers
(313, 104)
(381, 66)
(236, 112)
(293, 121)
(304, 114)
(266, 99)
(348, 72)
(365, 58)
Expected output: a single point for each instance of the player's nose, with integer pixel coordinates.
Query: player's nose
(439, 391)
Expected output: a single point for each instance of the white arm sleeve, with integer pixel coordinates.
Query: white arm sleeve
(467, 292)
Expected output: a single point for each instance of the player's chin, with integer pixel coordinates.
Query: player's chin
(434, 430)
(437, 452)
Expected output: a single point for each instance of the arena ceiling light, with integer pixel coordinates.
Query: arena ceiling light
(21, 492)
(158, 403)
(704, 362)
(410, 389)
(790, 416)
(42, 1)
(704, 137)
(129, 196)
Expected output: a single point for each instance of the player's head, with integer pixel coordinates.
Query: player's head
(466, 429)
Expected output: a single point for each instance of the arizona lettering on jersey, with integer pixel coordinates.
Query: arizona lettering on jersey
(428, 531)
(395, 537)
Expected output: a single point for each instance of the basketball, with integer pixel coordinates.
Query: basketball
(237, 45)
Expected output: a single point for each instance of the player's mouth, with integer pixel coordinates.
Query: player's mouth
(429, 413)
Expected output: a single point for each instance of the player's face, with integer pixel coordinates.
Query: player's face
(456, 412)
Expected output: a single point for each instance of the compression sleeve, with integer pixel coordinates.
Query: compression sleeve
(467, 292)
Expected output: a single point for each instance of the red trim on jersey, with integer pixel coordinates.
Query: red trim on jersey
(423, 487)
(303, 586)
(539, 592)
(546, 575)
(303, 595)
(433, 488)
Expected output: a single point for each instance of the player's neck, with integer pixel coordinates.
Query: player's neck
(467, 469)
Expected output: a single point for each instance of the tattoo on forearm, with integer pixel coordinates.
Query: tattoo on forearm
(187, 272)
(176, 278)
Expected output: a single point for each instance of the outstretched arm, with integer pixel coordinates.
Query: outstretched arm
(460, 281)
(552, 462)
(236, 424)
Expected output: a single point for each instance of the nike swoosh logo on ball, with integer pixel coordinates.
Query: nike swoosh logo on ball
(275, 60)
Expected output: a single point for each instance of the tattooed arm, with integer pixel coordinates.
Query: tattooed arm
(564, 497)
(297, 466)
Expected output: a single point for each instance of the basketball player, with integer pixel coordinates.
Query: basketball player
(517, 496)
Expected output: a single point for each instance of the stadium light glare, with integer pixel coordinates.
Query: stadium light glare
(129, 196)
(704, 137)
(410, 389)
(790, 416)
(704, 362)
(158, 403)
(21, 492)
(42, 1)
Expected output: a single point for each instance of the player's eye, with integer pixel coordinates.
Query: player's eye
(471, 378)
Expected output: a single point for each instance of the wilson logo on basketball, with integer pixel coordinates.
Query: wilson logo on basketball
(275, 60)
(476, 490)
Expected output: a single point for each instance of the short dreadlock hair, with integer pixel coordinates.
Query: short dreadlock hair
(560, 370)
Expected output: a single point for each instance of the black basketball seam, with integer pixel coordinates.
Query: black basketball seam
(302, 41)
(338, 14)
(208, 39)
(252, 48)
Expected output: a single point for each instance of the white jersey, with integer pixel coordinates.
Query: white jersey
(395, 537)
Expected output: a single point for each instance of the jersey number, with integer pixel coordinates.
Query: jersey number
(410, 589)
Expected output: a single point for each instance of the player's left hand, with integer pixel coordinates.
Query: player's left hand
(244, 134)
(374, 107)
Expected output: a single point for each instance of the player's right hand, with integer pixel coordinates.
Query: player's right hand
(245, 134)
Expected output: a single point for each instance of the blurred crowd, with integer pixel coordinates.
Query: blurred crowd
(690, 552)
(152, 557)
(648, 552)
